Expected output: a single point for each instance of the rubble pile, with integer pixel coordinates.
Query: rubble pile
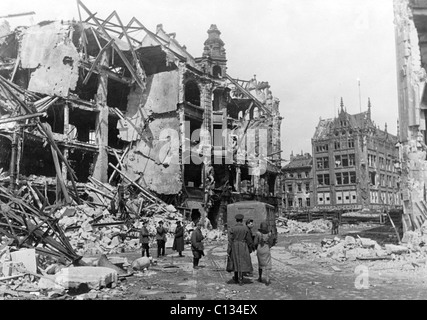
(108, 235)
(293, 226)
(351, 249)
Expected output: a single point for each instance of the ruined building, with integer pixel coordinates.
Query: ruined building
(411, 31)
(298, 182)
(106, 100)
(354, 164)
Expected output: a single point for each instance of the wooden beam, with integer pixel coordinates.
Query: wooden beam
(110, 74)
(119, 52)
(59, 176)
(98, 58)
(20, 118)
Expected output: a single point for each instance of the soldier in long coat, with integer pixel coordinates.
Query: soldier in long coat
(144, 239)
(178, 242)
(197, 245)
(239, 243)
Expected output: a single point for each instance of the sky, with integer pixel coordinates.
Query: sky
(312, 52)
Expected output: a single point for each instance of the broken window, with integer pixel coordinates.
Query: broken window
(307, 187)
(350, 143)
(344, 159)
(345, 177)
(217, 72)
(372, 177)
(307, 202)
(192, 93)
(322, 163)
(323, 179)
(338, 162)
(338, 178)
(337, 145)
(216, 103)
(351, 160)
(322, 148)
(299, 187)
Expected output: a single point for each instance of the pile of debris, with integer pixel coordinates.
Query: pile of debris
(404, 256)
(28, 275)
(292, 226)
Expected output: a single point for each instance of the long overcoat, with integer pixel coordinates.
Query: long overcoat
(239, 242)
(144, 235)
(178, 242)
(197, 244)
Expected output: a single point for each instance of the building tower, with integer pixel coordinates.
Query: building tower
(214, 59)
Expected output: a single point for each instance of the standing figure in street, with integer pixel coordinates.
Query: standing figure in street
(335, 225)
(239, 244)
(178, 242)
(161, 239)
(144, 239)
(197, 245)
(264, 240)
(250, 225)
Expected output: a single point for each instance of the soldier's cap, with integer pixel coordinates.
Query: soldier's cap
(239, 216)
(160, 222)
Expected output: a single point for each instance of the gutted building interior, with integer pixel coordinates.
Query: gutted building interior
(80, 100)
(410, 34)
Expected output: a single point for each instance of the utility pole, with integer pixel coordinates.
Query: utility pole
(360, 100)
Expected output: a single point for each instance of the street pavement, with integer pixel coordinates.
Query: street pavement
(295, 276)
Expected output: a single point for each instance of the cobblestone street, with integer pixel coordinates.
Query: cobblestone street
(294, 277)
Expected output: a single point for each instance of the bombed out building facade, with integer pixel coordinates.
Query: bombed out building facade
(85, 99)
(410, 34)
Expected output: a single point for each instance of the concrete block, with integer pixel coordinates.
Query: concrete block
(391, 248)
(93, 277)
(141, 263)
(27, 257)
(11, 268)
(48, 283)
(350, 241)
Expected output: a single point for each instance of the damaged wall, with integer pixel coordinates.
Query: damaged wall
(411, 77)
(160, 96)
(156, 159)
(155, 155)
(48, 50)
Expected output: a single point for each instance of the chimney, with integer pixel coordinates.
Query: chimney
(159, 28)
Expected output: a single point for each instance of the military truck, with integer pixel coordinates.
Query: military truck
(258, 211)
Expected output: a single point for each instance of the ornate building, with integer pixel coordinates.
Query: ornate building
(298, 182)
(354, 164)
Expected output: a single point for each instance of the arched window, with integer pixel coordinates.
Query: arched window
(192, 93)
(217, 72)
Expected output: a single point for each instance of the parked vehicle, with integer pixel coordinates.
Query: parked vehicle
(258, 211)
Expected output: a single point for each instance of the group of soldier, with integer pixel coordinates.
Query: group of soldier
(242, 241)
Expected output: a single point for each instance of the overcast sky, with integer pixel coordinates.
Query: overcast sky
(310, 51)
